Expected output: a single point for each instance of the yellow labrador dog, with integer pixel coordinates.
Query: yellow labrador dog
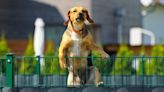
(77, 42)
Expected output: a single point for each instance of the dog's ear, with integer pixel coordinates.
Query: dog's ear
(66, 22)
(88, 18)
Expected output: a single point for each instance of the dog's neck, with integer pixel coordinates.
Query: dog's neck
(78, 28)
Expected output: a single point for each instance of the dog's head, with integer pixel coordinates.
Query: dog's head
(78, 15)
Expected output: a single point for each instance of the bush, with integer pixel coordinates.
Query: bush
(142, 64)
(123, 62)
(29, 49)
(3, 51)
(52, 62)
(28, 64)
(3, 46)
(100, 63)
(156, 63)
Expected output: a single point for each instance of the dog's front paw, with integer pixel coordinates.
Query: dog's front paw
(100, 84)
(105, 55)
(62, 64)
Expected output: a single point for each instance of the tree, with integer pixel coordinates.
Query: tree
(123, 62)
(28, 64)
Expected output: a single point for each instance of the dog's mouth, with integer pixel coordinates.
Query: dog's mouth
(79, 19)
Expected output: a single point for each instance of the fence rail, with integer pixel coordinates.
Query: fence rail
(21, 71)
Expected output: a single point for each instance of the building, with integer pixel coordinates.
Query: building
(153, 20)
(113, 19)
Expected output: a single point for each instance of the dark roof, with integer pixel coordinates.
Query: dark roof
(17, 17)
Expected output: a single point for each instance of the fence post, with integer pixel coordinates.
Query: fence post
(143, 71)
(143, 66)
(9, 70)
(38, 68)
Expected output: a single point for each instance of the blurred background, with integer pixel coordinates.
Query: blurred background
(136, 24)
(131, 30)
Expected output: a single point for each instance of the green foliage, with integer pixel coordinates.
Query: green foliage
(3, 51)
(28, 64)
(3, 46)
(142, 62)
(156, 63)
(51, 61)
(100, 63)
(157, 51)
(50, 49)
(123, 62)
(29, 49)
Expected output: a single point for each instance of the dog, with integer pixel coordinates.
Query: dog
(78, 42)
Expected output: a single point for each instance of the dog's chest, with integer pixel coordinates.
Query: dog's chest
(76, 46)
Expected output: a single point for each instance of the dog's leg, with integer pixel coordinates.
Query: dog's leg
(77, 81)
(94, 76)
(92, 46)
(62, 50)
(73, 79)
(100, 50)
(83, 66)
(70, 79)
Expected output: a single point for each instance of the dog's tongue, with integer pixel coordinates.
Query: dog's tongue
(78, 20)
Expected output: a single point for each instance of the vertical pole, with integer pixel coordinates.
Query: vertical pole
(38, 68)
(143, 73)
(9, 70)
(143, 66)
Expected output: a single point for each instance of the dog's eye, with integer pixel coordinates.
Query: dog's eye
(83, 11)
(74, 10)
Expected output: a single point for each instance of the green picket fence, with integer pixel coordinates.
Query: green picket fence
(22, 71)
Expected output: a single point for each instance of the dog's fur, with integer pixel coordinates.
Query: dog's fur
(77, 42)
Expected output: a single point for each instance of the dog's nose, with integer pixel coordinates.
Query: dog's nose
(81, 14)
